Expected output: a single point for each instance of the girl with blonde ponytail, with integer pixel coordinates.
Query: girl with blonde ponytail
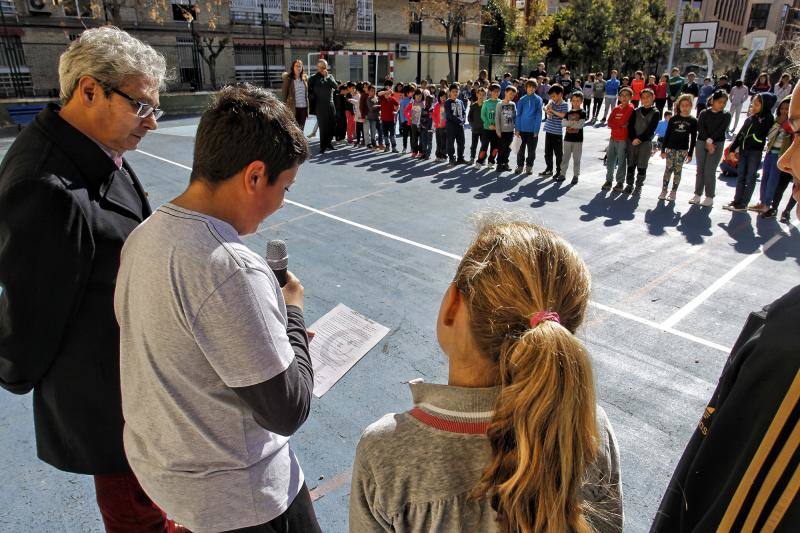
(515, 442)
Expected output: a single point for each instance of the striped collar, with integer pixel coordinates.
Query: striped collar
(453, 409)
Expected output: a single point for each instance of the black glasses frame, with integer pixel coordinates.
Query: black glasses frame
(145, 109)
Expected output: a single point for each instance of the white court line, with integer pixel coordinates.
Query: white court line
(602, 307)
(698, 300)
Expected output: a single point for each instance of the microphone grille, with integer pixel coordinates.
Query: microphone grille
(277, 258)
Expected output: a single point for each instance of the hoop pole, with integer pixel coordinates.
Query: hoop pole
(710, 64)
(674, 35)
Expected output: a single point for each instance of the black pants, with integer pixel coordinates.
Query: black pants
(475, 143)
(298, 518)
(441, 143)
(529, 140)
(360, 133)
(660, 103)
(388, 134)
(785, 180)
(414, 139)
(327, 127)
(506, 138)
(598, 103)
(405, 132)
(553, 146)
(455, 136)
(488, 146)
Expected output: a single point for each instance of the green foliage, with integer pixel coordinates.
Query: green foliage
(494, 29)
(626, 34)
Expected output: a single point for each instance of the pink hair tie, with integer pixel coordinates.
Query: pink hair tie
(544, 315)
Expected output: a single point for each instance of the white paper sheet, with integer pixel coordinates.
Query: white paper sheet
(343, 337)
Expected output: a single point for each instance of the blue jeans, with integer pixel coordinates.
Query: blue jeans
(770, 176)
(616, 154)
(746, 182)
(373, 132)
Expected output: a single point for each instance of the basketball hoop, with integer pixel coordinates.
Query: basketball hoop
(695, 45)
(699, 35)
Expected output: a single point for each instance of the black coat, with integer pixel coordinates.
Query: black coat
(751, 418)
(65, 212)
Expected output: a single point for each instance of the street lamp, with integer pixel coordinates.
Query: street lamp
(419, 44)
(264, 46)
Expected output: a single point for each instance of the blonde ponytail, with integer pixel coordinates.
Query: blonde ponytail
(543, 435)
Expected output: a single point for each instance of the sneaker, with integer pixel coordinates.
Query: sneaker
(618, 188)
(382, 147)
(404, 151)
(759, 207)
(769, 213)
(471, 161)
(785, 217)
(606, 186)
(519, 170)
(491, 161)
(499, 168)
(386, 149)
(628, 189)
(663, 195)
(695, 200)
(394, 150)
(546, 173)
(461, 161)
(574, 180)
(559, 177)
(414, 154)
(479, 163)
(451, 163)
(637, 191)
(672, 195)
(707, 202)
(529, 169)
(310, 136)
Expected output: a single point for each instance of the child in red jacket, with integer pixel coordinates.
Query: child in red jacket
(389, 106)
(439, 124)
(618, 145)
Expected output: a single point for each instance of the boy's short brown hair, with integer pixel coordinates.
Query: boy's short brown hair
(627, 90)
(245, 124)
(531, 83)
(494, 87)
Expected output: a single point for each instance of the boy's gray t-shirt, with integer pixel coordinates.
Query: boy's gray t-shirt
(200, 313)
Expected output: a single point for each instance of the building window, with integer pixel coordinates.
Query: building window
(77, 8)
(182, 9)
(249, 63)
(190, 63)
(364, 15)
(758, 17)
(356, 67)
(249, 11)
(311, 6)
(8, 7)
(20, 72)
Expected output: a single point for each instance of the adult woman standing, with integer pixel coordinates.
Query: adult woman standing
(294, 91)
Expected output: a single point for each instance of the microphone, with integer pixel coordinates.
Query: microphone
(278, 260)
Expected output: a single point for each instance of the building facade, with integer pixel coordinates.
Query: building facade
(189, 32)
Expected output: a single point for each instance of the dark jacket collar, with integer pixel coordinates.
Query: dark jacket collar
(119, 187)
(93, 162)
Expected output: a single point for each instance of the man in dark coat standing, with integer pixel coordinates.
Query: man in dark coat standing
(68, 201)
(323, 87)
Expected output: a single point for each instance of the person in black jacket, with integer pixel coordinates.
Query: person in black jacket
(322, 88)
(641, 128)
(749, 144)
(739, 471)
(68, 201)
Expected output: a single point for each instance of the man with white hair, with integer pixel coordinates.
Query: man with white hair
(322, 86)
(68, 201)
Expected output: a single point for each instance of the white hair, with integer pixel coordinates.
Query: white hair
(111, 56)
(322, 62)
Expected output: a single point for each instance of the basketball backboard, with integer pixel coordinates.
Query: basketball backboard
(759, 39)
(699, 35)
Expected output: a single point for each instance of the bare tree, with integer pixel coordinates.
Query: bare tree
(452, 16)
(208, 45)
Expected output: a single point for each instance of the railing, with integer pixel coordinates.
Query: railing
(311, 6)
(249, 11)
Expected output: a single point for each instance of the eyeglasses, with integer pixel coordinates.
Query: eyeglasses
(144, 110)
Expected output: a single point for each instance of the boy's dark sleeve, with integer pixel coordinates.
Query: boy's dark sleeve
(692, 137)
(281, 404)
(737, 141)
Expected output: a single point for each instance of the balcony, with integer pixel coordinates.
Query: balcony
(311, 6)
(249, 12)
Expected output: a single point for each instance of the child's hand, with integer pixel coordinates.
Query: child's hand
(689, 158)
(636, 142)
(663, 155)
(710, 148)
(518, 134)
(499, 135)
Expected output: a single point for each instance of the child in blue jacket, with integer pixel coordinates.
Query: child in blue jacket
(529, 122)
